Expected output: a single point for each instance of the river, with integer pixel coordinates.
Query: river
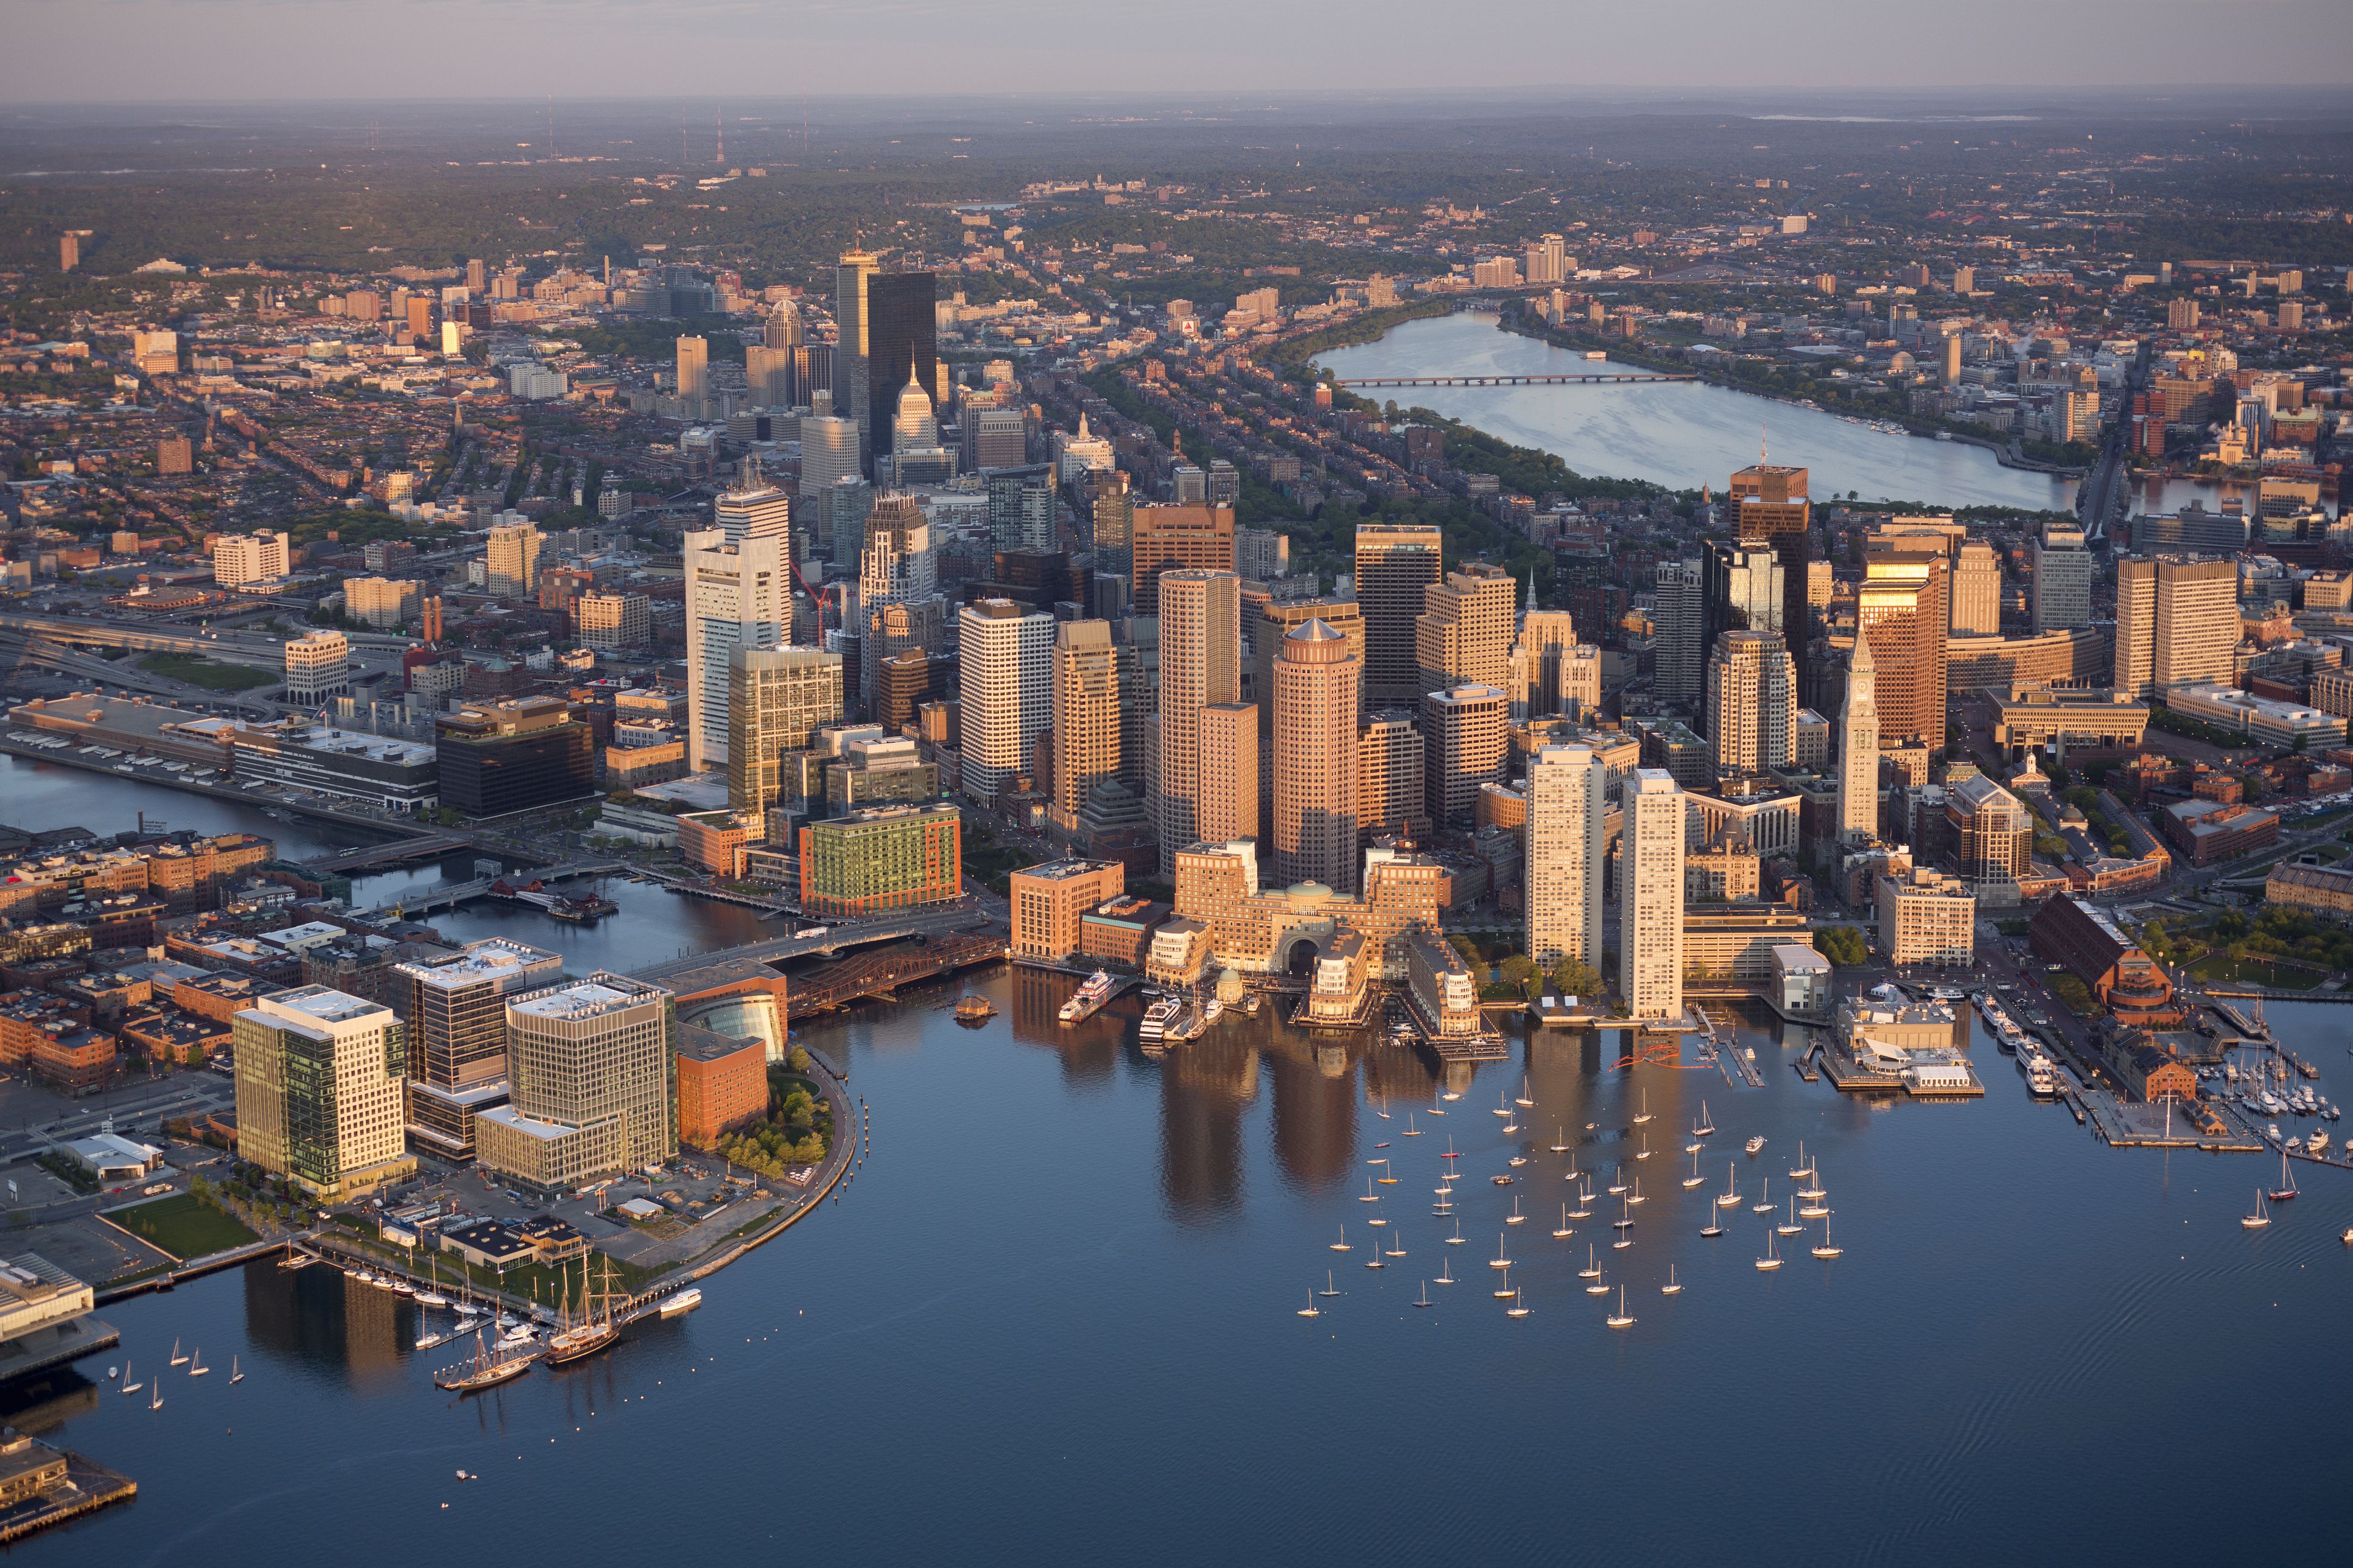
(1684, 434)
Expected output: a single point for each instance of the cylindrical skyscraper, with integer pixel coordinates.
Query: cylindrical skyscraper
(1315, 677)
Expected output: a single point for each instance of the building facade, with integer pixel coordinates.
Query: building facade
(882, 857)
(319, 1091)
(1651, 896)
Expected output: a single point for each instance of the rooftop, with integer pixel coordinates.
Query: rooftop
(601, 993)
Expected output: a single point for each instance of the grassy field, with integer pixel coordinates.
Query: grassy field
(184, 1226)
(200, 671)
(2255, 971)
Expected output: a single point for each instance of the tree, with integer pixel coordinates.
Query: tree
(1844, 946)
(1570, 978)
(1520, 971)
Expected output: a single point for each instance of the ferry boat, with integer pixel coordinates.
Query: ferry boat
(2040, 1081)
(685, 1300)
(1597, 354)
(1156, 1019)
(1089, 999)
(1212, 1011)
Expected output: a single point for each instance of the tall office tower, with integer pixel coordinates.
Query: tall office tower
(1567, 790)
(1748, 588)
(913, 424)
(1024, 508)
(1858, 741)
(1977, 591)
(751, 508)
(1395, 564)
(1466, 731)
(1112, 510)
(1679, 634)
(1005, 667)
(511, 570)
(694, 367)
(897, 566)
(588, 1066)
(1228, 808)
(768, 378)
(1952, 359)
(1086, 716)
(829, 452)
(1316, 675)
(1900, 608)
(853, 279)
(782, 330)
(1751, 702)
(777, 700)
(318, 666)
(320, 1091)
(2062, 579)
(1650, 895)
(901, 346)
(1464, 635)
(2197, 624)
(457, 1029)
(2135, 669)
(1278, 618)
(1770, 504)
(1169, 538)
(420, 320)
(1391, 774)
(737, 595)
(1542, 663)
(1200, 665)
(995, 437)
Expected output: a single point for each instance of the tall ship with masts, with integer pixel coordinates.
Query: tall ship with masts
(594, 1329)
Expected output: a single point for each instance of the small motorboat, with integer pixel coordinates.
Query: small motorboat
(1756, 1143)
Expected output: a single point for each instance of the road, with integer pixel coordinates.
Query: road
(139, 1104)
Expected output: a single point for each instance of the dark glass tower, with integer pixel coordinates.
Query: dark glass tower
(902, 334)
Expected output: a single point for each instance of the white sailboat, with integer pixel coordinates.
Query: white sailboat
(1564, 1232)
(129, 1386)
(2261, 1217)
(235, 1375)
(1499, 1260)
(1790, 1226)
(1695, 1179)
(1826, 1250)
(1636, 1196)
(1342, 1245)
(197, 1367)
(1329, 1288)
(1620, 1319)
(1504, 1289)
(1705, 1125)
(1730, 1196)
(1457, 1238)
(1397, 1244)
(1674, 1286)
(1410, 1130)
(1446, 1271)
(1425, 1301)
(1645, 1114)
(1592, 1271)
(1801, 1169)
(1311, 1309)
(1617, 1181)
(1515, 1309)
(1764, 1195)
(1515, 1216)
(1523, 1099)
(1501, 1110)
(1772, 1259)
(177, 1359)
(1559, 1138)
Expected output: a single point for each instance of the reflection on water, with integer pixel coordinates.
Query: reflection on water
(316, 1317)
(45, 1402)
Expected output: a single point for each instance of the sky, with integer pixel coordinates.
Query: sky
(240, 50)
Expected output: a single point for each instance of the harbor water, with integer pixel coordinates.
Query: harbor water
(1055, 1318)
(1684, 434)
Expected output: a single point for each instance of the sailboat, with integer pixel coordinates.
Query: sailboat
(1644, 1151)
(129, 1386)
(1329, 1288)
(1617, 1181)
(1772, 1259)
(1564, 1232)
(1435, 1109)
(1765, 1202)
(1674, 1286)
(1584, 1200)
(235, 1375)
(1600, 1287)
(1456, 1239)
(1620, 1319)
(1501, 1110)
(1801, 1169)
(1499, 1260)
(1410, 1130)
(156, 1402)
(1791, 1226)
(1730, 1196)
(1446, 1271)
(1515, 1216)
(197, 1367)
(1370, 1196)
(595, 1329)
(1645, 1114)
(1636, 1196)
(1515, 1309)
(1387, 1181)
(1397, 1244)
(1705, 1125)
(1622, 1227)
(1425, 1301)
(1714, 1228)
(1695, 1179)
(1505, 1291)
(2261, 1217)
(1826, 1250)
(1311, 1309)
(1559, 1138)
(1373, 1251)
(1592, 1271)
(1342, 1245)
(1523, 1099)
(2287, 1189)
(177, 1359)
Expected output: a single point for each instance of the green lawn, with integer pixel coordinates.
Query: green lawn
(200, 671)
(2255, 971)
(184, 1226)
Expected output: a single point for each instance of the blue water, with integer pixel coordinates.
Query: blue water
(1053, 1319)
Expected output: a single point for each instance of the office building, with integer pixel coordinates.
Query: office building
(1050, 901)
(1278, 618)
(2062, 579)
(588, 1074)
(175, 455)
(2195, 628)
(896, 566)
(722, 1084)
(1465, 733)
(1651, 896)
(1751, 706)
(380, 603)
(1769, 505)
(1858, 742)
(318, 666)
(1900, 611)
(693, 373)
(1112, 510)
(1991, 831)
(829, 452)
(1463, 636)
(1679, 634)
(1024, 508)
(1927, 916)
(1005, 659)
(782, 330)
(1317, 674)
(257, 557)
(1200, 665)
(879, 859)
(1977, 591)
(320, 1091)
(610, 622)
(1747, 588)
(901, 346)
(913, 424)
(1390, 775)
(1566, 793)
(853, 279)
(1173, 538)
(1550, 673)
(777, 700)
(995, 437)
(510, 569)
(752, 508)
(1086, 717)
(737, 595)
(455, 1008)
(501, 757)
(1396, 566)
